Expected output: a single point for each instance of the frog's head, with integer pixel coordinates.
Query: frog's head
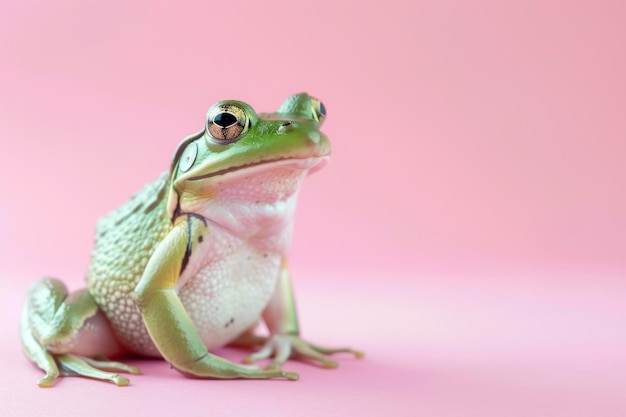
(248, 156)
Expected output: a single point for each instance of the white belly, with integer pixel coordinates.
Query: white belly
(232, 274)
(227, 295)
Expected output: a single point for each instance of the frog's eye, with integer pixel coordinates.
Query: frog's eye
(227, 123)
(319, 110)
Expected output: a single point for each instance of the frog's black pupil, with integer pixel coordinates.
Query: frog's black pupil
(224, 119)
(322, 109)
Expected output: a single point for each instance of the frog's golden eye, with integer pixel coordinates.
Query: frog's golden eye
(227, 123)
(319, 110)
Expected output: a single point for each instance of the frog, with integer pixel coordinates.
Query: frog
(194, 261)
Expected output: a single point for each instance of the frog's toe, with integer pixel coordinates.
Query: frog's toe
(107, 365)
(320, 353)
(119, 380)
(331, 351)
(265, 352)
(73, 365)
(47, 381)
(48, 364)
(282, 347)
(307, 351)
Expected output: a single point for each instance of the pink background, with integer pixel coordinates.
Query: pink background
(469, 233)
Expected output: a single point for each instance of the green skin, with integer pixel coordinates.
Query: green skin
(231, 185)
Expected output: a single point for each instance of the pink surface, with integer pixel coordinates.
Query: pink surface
(465, 135)
(504, 341)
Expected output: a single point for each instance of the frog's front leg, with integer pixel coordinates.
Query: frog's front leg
(165, 317)
(282, 321)
(61, 331)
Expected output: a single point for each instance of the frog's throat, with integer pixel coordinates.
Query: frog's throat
(205, 184)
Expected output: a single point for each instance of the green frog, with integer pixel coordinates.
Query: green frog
(194, 260)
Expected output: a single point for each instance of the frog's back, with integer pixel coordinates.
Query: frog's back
(125, 240)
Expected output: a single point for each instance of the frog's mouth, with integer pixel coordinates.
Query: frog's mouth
(263, 183)
(310, 164)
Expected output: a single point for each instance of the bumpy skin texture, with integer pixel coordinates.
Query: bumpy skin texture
(194, 260)
(118, 262)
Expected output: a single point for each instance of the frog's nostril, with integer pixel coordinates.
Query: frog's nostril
(285, 124)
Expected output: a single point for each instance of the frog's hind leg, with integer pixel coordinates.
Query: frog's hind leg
(59, 331)
(37, 353)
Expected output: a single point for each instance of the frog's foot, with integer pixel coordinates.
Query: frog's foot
(59, 331)
(101, 362)
(282, 347)
(75, 365)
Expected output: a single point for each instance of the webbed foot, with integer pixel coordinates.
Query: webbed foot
(75, 365)
(282, 347)
(52, 327)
